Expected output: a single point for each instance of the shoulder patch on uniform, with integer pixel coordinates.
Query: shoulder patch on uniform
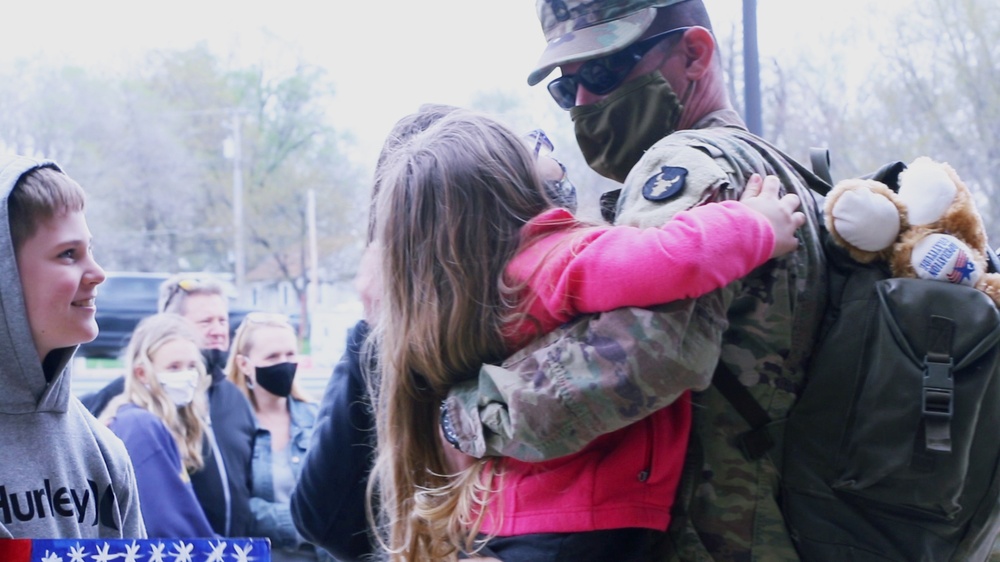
(666, 183)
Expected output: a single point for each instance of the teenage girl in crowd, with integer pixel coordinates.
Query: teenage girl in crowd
(476, 261)
(262, 364)
(161, 419)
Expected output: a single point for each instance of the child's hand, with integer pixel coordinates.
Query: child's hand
(761, 195)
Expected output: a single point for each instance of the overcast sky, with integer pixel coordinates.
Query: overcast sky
(385, 57)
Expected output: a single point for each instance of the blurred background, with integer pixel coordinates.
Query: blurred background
(239, 138)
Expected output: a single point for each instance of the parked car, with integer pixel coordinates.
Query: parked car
(123, 300)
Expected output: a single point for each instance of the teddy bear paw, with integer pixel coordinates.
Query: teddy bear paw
(989, 283)
(864, 218)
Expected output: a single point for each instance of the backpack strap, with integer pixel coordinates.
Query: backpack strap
(818, 179)
(939, 385)
(820, 160)
(888, 174)
(937, 393)
(755, 443)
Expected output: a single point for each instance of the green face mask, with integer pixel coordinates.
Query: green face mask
(614, 132)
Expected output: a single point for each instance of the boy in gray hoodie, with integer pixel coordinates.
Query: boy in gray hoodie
(63, 474)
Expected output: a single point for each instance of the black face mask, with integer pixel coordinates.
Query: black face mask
(215, 363)
(277, 379)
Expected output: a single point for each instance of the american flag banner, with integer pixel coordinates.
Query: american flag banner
(135, 550)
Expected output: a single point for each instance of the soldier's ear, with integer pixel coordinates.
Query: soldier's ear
(699, 50)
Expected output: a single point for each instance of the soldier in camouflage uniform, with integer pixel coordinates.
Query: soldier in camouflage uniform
(654, 113)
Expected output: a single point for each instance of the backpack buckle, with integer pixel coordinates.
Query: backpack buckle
(938, 388)
(938, 404)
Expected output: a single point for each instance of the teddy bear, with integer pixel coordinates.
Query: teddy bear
(929, 229)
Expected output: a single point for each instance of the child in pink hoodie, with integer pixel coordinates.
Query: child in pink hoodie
(476, 262)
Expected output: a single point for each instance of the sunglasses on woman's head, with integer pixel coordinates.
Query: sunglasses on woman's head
(601, 76)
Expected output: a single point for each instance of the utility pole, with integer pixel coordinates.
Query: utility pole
(238, 202)
(751, 68)
(313, 287)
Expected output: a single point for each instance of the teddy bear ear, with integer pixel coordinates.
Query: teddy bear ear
(927, 190)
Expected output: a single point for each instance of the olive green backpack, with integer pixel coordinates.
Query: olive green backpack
(892, 451)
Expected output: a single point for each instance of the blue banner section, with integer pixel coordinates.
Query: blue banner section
(151, 550)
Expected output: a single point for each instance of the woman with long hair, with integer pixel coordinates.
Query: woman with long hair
(161, 417)
(477, 259)
(262, 363)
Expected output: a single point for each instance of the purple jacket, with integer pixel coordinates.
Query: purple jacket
(166, 498)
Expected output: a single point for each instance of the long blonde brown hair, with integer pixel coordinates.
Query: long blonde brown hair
(187, 423)
(243, 343)
(449, 213)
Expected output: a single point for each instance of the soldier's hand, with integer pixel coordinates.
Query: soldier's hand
(761, 195)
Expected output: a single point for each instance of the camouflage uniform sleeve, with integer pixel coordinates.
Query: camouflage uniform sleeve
(604, 372)
(596, 375)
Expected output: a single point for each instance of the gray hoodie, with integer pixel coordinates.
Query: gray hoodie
(62, 473)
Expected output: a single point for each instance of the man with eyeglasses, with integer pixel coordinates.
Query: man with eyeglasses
(646, 92)
(223, 484)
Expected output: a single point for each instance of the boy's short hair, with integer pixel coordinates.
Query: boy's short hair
(175, 291)
(38, 196)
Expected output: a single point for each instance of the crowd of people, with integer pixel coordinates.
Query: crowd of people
(524, 386)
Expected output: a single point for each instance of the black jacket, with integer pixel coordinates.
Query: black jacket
(233, 426)
(328, 503)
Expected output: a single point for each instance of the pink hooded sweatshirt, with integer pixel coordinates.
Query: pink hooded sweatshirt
(627, 478)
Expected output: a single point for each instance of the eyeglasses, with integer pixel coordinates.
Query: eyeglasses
(541, 140)
(544, 148)
(601, 76)
(562, 191)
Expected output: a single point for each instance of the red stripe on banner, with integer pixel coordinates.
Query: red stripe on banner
(15, 550)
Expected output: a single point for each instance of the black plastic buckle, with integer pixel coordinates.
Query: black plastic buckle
(938, 389)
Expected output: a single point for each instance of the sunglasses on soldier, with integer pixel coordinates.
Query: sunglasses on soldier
(602, 75)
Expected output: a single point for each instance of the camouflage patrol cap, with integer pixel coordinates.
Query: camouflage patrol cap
(582, 29)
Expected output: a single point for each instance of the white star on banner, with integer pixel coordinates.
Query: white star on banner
(156, 552)
(218, 553)
(243, 555)
(183, 551)
(131, 552)
(77, 553)
(103, 555)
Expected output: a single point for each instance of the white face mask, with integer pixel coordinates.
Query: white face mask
(180, 386)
